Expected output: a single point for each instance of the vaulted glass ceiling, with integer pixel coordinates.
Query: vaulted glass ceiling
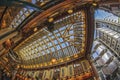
(65, 40)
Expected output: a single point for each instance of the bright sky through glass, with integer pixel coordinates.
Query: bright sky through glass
(101, 14)
(104, 15)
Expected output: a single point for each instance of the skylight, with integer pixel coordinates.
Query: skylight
(65, 40)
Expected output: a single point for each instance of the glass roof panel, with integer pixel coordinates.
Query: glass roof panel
(21, 16)
(65, 40)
